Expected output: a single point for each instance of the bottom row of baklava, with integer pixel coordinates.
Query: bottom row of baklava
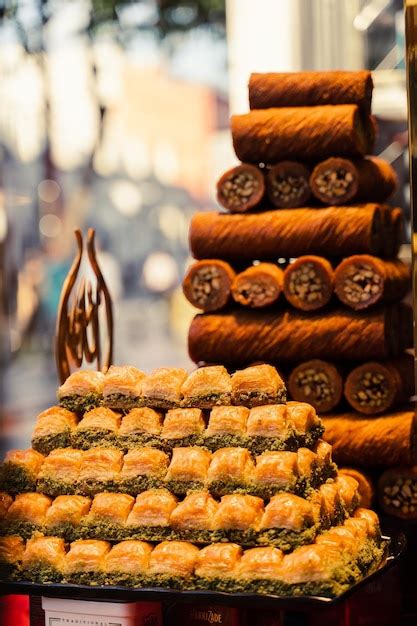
(339, 557)
(286, 521)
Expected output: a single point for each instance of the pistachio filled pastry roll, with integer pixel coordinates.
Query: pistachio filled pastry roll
(140, 427)
(53, 429)
(317, 382)
(259, 570)
(216, 566)
(11, 555)
(183, 427)
(143, 468)
(150, 516)
(238, 518)
(60, 471)
(98, 427)
(226, 427)
(172, 564)
(82, 391)
(19, 470)
(275, 471)
(64, 516)
(127, 563)
(308, 282)
(194, 517)
(188, 469)
(107, 516)
(84, 563)
(122, 387)
(207, 284)
(5, 502)
(303, 419)
(287, 522)
(100, 471)
(241, 188)
(26, 514)
(256, 385)
(43, 559)
(207, 387)
(162, 387)
(268, 428)
(231, 469)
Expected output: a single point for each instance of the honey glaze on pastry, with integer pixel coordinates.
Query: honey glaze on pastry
(207, 387)
(162, 387)
(184, 426)
(152, 508)
(259, 384)
(82, 391)
(43, 559)
(196, 511)
(122, 387)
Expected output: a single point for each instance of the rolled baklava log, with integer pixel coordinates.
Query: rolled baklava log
(242, 337)
(330, 231)
(397, 492)
(258, 286)
(287, 184)
(337, 180)
(207, 284)
(394, 232)
(308, 282)
(374, 387)
(317, 382)
(310, 88)
(241, 188)
(305, 133)
(363, 280)
(365, 486)
(378, 441)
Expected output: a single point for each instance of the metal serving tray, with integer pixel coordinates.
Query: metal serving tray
(395, 549)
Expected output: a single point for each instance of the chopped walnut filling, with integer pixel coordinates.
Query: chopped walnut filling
(402, 495)
(306, 283)
(288, 188)
(372, 390)
(361, 283)
(315, 384)
(238, 189)
(255, 293)
(205, 285)
(334, 183)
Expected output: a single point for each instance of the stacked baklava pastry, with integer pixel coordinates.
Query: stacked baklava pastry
(207, 480)
(302, 268)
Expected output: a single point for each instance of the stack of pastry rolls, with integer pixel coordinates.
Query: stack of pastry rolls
(201, 480)
(301, 267)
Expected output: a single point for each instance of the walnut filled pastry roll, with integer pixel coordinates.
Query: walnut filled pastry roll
(20, 469)
(287, 184)
(207, 284)
(183, 427)
(328, 231)
(364, 280)
(53, 429)
(216, 565)
(151, 514)
(207, 387)
(143, 468)
(11, 555)
(188, 469)
(317, 382)
(194, 517)
(257, 385)
(64, 516)
(82, 391)
(107, 516)
(308, 282)
(397, 492)
(85, 560)
(100, 470)
(60, 472)
(98, 427)
(309, 133)
(26, 514)
(268, 428)
(127, 563)
(337, 181)
(122, 387)
(162, 387)
(258, 286)
(172, 564)
(375, 387)
(43, 559)
(312, 88)
(139, 427)
(241, 188)
(394, 232)
(226, 427)
(230, 469)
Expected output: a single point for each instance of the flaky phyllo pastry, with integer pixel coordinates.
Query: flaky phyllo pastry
(82, 391)
(123, 387)
(53, 429)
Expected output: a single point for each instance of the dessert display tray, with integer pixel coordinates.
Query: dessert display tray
(396, 544)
